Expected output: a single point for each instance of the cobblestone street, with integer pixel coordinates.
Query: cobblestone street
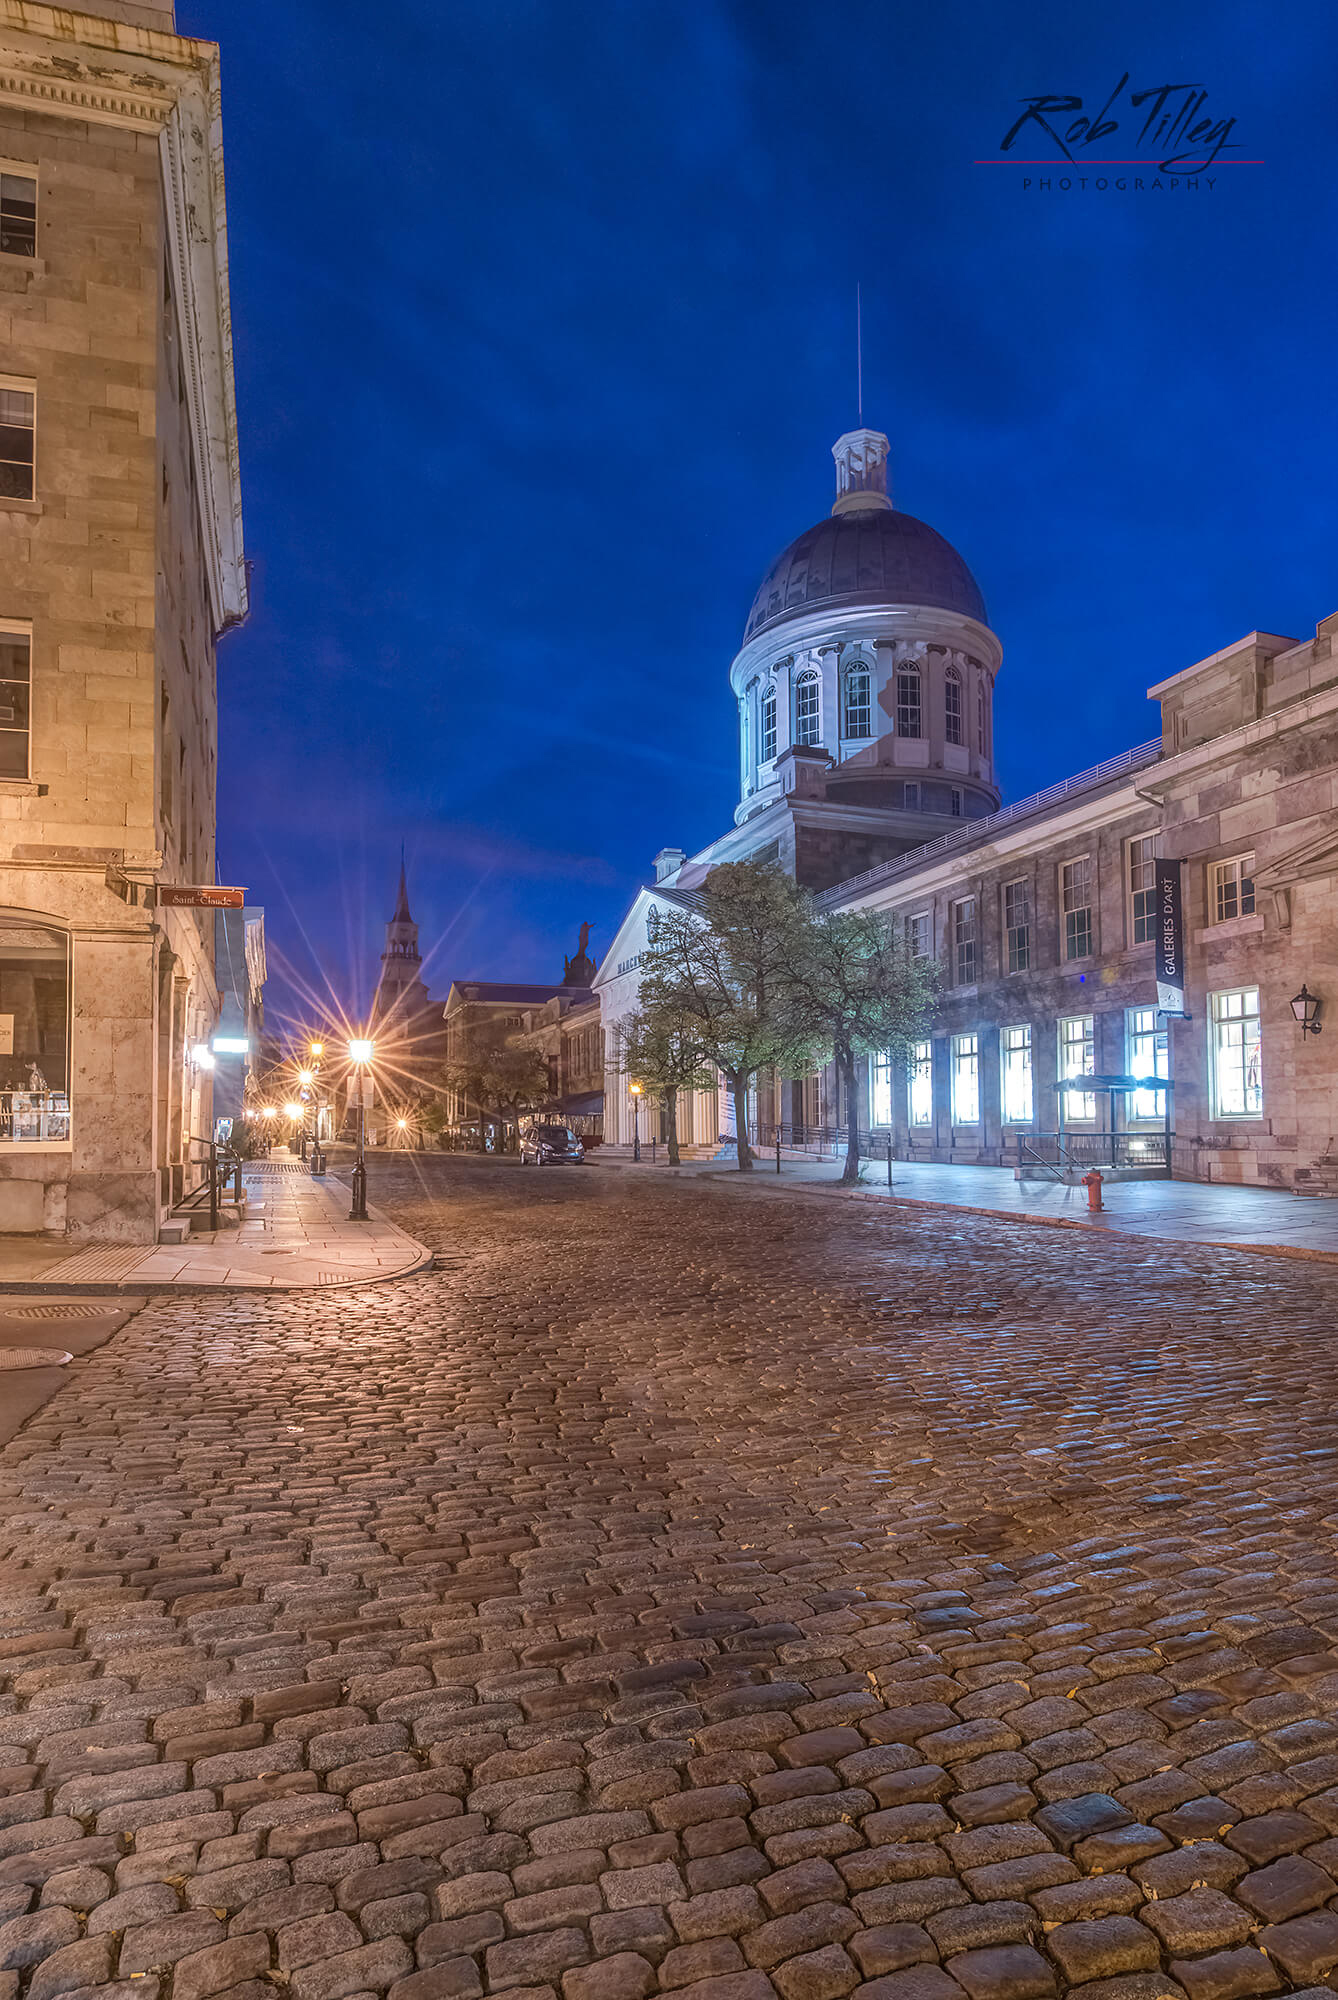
(680, 1591)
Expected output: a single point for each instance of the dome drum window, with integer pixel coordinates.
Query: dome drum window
(808, 711)
(954, 730)
(858, 717)
(767, 730)
(910, 709)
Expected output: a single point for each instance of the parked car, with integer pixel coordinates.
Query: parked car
(544, 1144)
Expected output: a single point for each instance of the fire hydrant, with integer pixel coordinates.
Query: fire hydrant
(1092, 1182)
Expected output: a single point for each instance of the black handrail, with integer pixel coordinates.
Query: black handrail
(220, 1164)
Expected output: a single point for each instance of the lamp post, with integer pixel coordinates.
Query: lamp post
(315, 1050)
(634, 1091)
(360, 1052)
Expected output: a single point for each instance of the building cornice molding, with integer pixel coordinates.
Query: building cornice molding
(1185, 767)
(829, 625)
(140, 79)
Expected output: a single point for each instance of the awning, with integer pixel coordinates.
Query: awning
(589, 1106)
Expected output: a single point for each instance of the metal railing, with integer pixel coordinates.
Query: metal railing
(968, 830)
(1073, 1151)
(221, 1165)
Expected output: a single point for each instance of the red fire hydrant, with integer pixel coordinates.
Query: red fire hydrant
(1092, 1182)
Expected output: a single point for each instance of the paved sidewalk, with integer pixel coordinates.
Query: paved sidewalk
(1179, 1211)
(296, 1235)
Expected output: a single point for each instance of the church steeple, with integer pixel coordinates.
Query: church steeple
(401, 961)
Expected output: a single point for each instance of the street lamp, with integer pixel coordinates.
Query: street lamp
(634, 1091)
(360, 1053)
(1306, 1008)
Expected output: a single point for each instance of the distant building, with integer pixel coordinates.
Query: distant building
(865, 691)
(406, 1024)
(561, 1021)
(239, 960)
(120, 564)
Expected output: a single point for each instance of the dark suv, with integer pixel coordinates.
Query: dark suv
(545, 1144)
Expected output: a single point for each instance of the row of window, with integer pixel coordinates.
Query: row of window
(1230, 894)
(857, 709)
(1234, 1067)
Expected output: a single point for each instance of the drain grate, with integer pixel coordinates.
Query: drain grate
(75, 1310)
(33, 1357)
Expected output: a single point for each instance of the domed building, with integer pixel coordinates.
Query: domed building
(865, 690)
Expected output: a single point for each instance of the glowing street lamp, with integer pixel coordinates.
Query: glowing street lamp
(360, 1053)
(634, 1091)
(292, 1112)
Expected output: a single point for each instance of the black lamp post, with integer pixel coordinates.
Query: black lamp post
(634, 1090)
(1305, 1007)
(360, 1053)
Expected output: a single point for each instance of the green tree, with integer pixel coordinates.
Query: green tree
(856, 990)
(721, 973)
(659, 1050)
(503, 1077)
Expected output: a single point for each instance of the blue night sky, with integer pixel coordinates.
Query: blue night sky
(544, 320)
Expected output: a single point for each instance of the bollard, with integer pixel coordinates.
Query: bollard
(358, 1212)
(1092, 1182)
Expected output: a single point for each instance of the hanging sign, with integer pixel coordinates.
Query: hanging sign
(1170, 940)
(188, 896)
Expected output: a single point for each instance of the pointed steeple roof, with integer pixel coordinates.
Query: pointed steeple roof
(401, 915)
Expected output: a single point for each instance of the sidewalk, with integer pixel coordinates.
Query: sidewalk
(1184, 1211)
(296, 1235)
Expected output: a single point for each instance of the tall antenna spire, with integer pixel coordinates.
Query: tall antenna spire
(859, 356)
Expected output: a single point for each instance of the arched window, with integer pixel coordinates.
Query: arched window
(808, 710)
(859, 702)
(910, 713)
(980, 720)
(767, 730)
(953, 720)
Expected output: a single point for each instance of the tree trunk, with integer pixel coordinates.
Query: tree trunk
(845, 1066)
(739, 1092)
(671, 1124)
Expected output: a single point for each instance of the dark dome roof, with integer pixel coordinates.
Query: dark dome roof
(866, 557)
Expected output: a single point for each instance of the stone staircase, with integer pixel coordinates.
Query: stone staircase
(1321, 1178)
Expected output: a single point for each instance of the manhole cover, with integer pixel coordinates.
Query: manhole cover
(75, 1310)
(33, 1357)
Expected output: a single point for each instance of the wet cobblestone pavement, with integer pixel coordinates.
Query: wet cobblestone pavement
(685, 1592)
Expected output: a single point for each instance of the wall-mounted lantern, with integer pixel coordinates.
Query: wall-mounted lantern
(1306, 1008)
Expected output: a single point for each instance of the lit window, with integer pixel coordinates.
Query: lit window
(919, 935)
(859, 703)
(910, 720)
(1076, 884)
(965, 1080)
(953, 728)
(18, 215)
(1232, 889)
(921, 1091)
(1235, 1052)
(34, 1014)
(964, 942)
(1077, 1057)
(808, 710)
(1142, 889)
(768, 731)
(18, 418)
(1017, 924)
(15, 678)
(980, 720)
(1015, 1074)
(880, 1088)
(1146, 1054)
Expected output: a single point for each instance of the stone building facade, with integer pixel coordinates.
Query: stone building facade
(1041, 915)
(120, 565)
